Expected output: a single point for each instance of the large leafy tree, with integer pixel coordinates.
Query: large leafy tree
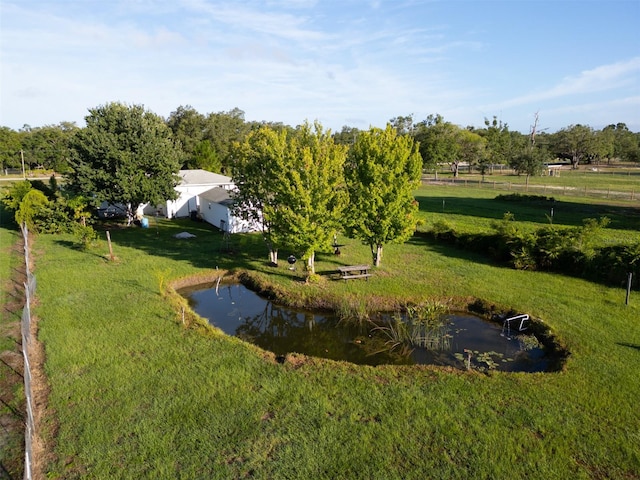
(223, 129)
(499, 144)
(293, 182)
(528, 161)
(49, 146)
(188, 127)
(311, 191)
(576, 143)
(382, 171)
(626, 144)
(439, 142)
(125, 155)
(257, 166)
(10, 146)
(472, 150)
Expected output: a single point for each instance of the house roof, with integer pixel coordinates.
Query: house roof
(217, 195)
(202, 177)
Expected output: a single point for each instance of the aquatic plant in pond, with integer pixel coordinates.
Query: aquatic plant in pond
(423, 325)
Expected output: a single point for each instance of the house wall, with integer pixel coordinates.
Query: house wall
(187, 201)
(216, 213)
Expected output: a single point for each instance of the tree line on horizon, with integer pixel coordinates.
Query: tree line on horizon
(206, 141)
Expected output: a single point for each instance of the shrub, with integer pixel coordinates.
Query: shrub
(33, 206)
(517, 197)
(443, 230)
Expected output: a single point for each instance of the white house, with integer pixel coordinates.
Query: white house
(208, 196)
(192, 184)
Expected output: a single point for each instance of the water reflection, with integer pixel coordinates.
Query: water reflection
(467, 340)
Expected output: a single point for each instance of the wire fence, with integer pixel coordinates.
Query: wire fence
(25, 326)
(537, 189)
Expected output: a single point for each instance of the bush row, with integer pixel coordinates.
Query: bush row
(569, 251)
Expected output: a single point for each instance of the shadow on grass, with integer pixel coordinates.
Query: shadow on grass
(629, 345)
(534, 210)
(453, 251)
(208, 249)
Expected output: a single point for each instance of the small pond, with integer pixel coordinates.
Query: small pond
(464, 340)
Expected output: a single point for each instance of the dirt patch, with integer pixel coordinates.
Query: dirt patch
(44, 419)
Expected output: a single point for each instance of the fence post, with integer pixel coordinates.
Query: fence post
(626, 302)
(110, 247)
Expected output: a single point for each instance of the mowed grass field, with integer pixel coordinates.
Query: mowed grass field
(135, 393)
(616, 177)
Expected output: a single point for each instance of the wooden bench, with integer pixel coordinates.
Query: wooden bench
(354, 271)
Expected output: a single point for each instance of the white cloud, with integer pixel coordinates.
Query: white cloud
(599, 79)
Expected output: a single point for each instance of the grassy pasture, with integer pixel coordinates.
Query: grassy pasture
(617, 177)
(136, 394)
(473, 210)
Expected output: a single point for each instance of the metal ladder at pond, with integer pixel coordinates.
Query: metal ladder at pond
(507, 324)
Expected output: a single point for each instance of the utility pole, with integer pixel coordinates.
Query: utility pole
(24, 175)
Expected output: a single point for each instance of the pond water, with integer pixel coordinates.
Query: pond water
(463, 341)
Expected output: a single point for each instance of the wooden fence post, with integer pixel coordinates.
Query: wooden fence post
(110, 247)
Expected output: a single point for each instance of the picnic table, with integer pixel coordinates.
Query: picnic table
(354, 271)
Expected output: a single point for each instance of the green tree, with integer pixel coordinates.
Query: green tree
(33, 205)
(346, 136)
(48, 147)
(472, 151)
(205, 157)
(576, 143)
(125, 155)
(529, 161)
(259, 161)
(223, 130)
(10, 146)
(626, 144)
(188, 127)
(439, 142)
(311, 191)
(382, 171)
(531, 157)
(403, 124)
(297, 181)
(15, 193)
(499, 143)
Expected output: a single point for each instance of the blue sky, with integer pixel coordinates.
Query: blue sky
(346, 62)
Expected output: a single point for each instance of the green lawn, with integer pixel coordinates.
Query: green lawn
(136, 394)
(12, 403)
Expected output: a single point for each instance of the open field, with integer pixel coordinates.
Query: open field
(616, 182)
(134, 393)
(474, 210)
